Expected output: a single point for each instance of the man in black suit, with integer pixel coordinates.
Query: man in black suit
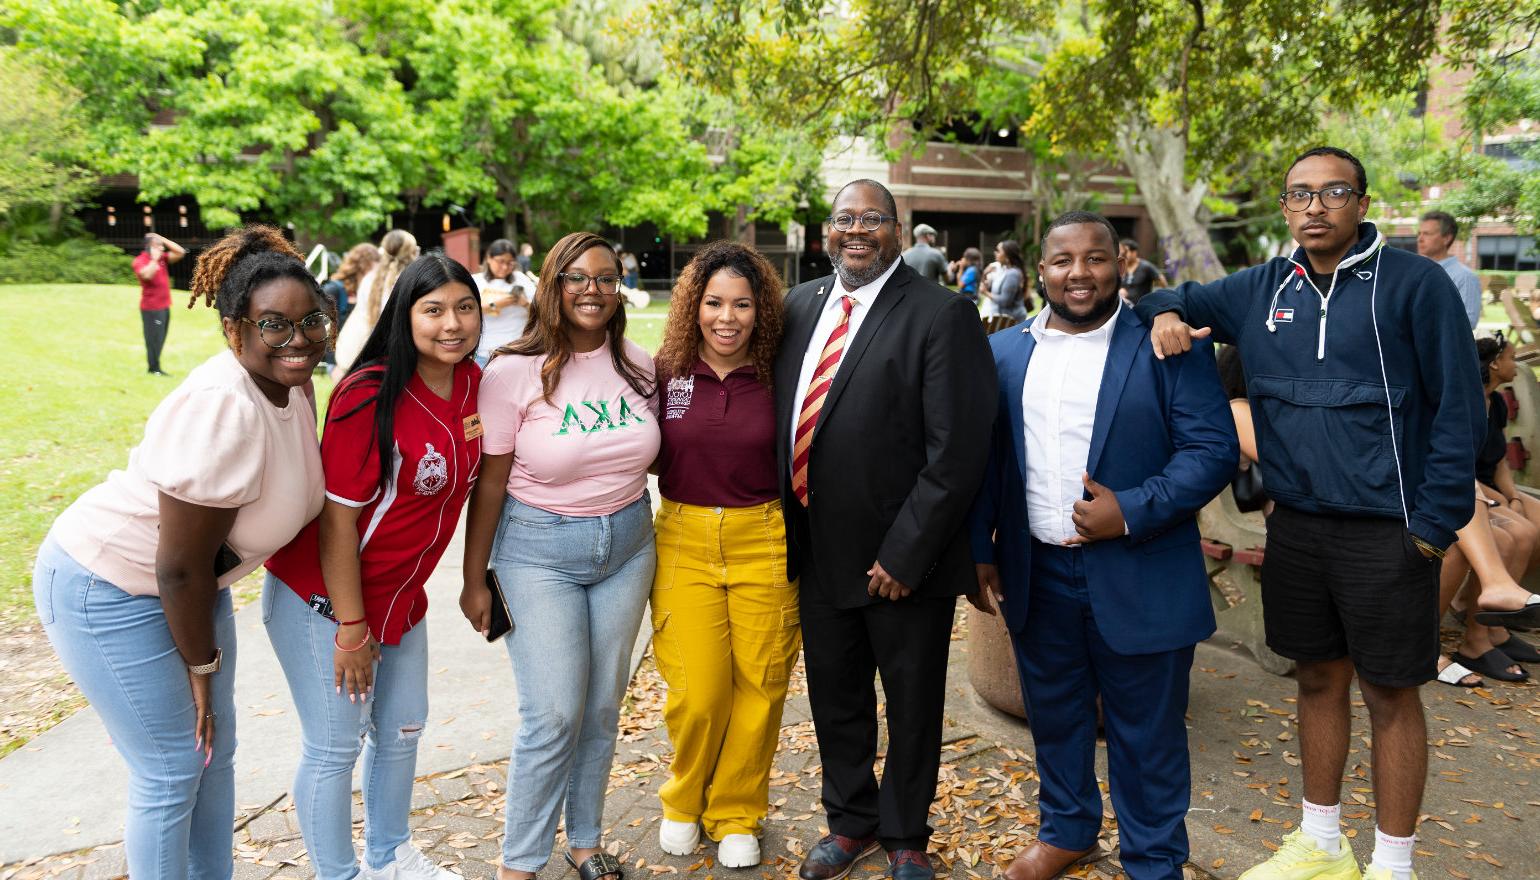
(885, 393)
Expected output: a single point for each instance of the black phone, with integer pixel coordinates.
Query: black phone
(226, 560)
(501, 622)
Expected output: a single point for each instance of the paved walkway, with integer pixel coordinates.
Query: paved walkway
(1482, 809)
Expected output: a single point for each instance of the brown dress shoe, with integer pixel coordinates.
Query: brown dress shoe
(1042, 861)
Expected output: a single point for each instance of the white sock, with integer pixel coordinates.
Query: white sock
(1393, 854)
(1324, 824)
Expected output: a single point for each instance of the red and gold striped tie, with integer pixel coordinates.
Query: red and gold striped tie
(817, 390)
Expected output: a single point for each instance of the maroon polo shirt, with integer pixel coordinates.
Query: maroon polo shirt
(718, 439)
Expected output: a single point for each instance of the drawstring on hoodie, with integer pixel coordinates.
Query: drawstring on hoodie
(1272, 307)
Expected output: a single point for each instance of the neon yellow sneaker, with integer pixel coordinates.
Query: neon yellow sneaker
(1300, 859)
(1375, 872)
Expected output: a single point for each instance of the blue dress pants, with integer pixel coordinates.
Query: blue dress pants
(1064, 664)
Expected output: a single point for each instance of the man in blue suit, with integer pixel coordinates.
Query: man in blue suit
(1084, 534)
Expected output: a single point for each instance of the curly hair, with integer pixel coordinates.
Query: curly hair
(359, 259)
(545, 334)
(229, 270)
(681, 333)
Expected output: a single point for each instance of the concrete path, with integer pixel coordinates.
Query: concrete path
(67, 789)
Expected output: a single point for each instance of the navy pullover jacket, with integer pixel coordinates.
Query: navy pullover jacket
(1325, 370)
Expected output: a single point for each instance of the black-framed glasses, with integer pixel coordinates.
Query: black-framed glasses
(576, 282)
(279, 332)
(1332, 197)
(871, 221)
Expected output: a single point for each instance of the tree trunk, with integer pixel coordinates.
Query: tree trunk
(1157, 159)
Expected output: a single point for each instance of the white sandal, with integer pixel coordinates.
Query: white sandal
(1455, 674)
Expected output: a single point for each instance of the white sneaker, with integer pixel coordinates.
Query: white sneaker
(678, 838)
(410, 864)
(738, 851)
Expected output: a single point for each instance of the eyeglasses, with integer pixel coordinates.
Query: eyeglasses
(871, 221)
(576, 283)
(279, 332)
(1332, 197)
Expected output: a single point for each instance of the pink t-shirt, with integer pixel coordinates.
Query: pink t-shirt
(586, 455)
(215, 441)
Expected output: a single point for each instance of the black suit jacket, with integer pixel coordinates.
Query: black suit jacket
(900, 446)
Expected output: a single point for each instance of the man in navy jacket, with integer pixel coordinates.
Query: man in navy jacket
(1084, 533)
(1368, 407)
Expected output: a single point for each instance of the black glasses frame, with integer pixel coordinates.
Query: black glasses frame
(574, 283)
(1347, 193)
(306, 323)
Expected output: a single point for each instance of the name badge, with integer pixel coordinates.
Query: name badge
(472, 426)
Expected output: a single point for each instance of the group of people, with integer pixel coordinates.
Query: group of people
(837, 466)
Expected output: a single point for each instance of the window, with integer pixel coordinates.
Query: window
(1404, 242)
(1521, 155)
(1507, 253)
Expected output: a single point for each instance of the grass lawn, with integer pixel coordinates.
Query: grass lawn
(77, 397)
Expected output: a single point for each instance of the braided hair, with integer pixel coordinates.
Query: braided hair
(242, 261)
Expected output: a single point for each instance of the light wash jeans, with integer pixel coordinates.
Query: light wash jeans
(576, 589)
(385, 727)
(118, 649)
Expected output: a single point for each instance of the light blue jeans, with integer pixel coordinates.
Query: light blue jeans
(385, 727)
(119, 651)
(576, 589)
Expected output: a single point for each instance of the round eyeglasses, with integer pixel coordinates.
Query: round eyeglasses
(1332, 197)
(279, 332)
(871, 221)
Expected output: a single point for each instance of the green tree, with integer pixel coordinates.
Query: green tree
(1193, 98)
(270, 108)
(42, 143)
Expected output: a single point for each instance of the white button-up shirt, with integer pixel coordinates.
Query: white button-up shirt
(1058, 405)
(829, 316)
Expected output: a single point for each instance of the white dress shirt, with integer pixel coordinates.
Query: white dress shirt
(829, 315)
(1058, 406)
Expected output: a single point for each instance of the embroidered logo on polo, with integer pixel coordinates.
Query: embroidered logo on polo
(595, 415)
(680, 391)
(1283, 316)
(432, 473)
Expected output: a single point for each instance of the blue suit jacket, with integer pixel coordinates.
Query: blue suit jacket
(1164, 441)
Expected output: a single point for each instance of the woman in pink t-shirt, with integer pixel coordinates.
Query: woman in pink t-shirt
(132, 581)
(561, 515)
(344, 601)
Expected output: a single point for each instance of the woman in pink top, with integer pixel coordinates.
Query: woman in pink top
(132, 581)
(561, 515)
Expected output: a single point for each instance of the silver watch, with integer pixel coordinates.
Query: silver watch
(208, 668)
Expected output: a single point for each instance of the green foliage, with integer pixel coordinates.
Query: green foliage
(72, 261)
(41, 138)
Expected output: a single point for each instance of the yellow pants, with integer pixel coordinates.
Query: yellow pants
(726, 635)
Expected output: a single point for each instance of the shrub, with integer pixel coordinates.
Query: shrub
(72, 261)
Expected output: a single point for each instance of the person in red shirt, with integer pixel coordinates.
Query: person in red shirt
(344, 601)
(724, 614)
(155, 293)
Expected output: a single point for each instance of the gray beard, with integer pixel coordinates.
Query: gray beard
(854, 280)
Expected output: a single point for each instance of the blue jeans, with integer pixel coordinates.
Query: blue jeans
(385, 727)
(118, 649)
(576, 588)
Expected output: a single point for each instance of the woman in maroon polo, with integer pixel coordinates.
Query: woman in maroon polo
(724, 617)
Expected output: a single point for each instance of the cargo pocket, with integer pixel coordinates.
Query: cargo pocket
(665, 650)
(1360, 473)
(788, 644)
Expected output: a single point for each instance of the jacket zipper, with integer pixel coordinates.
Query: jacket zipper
(1320, 346)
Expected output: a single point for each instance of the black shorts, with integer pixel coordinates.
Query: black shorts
(1337, 586)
